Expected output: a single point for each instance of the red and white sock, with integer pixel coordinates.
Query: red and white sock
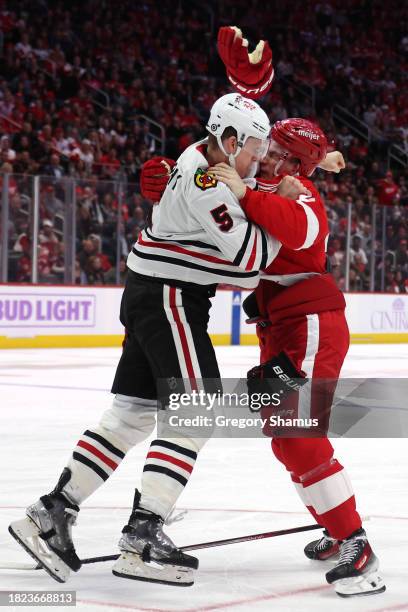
(303, 496)
(328, 494)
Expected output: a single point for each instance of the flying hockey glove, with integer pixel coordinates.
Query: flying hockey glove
(278, 375)
(154, 176)
(250, 74)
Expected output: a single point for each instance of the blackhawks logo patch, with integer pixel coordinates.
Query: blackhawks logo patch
(203, 180)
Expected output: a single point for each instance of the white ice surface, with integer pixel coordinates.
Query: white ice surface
(50, 396)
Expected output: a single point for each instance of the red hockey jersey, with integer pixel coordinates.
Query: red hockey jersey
(301, 226)
(296, 281)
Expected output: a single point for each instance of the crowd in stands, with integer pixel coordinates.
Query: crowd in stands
(77, 83)
(378, 224)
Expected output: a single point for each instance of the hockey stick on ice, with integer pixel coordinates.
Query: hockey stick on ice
(248, 538)
(226, 542)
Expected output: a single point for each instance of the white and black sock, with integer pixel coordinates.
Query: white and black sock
(95, 458)
(167, 469)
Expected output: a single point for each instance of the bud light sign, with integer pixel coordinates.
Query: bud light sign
(47, 310)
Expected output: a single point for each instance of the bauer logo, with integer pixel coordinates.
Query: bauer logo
(392, 319)
(47, 310)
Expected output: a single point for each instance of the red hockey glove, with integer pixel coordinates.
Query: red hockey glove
(154, 176)
(251, 74)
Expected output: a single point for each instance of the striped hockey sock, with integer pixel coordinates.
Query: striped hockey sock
(95, 457)
(328, 493)
(303, 496)
(165, 474)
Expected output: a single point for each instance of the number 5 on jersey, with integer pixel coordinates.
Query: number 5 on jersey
(222, 217)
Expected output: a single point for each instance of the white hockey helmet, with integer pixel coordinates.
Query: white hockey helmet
(246, 117)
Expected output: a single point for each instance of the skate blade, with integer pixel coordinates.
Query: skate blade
(368, 584)
(130, 565)
(27, 535)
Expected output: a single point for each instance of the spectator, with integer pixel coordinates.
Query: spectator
(344, 138)
(84, 152)
(388, 191)
(358, 256)
(110, 276)
(336, 254)
(50, 204)
(401, 255)
(91, 246)
(138, 219)
(6, 152)
(86, 108)
(47, 235)
(54, 167)
(58, 263)
(94, 272)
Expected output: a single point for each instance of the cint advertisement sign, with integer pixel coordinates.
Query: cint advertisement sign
(392, 317)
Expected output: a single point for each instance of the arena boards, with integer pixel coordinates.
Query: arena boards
(45, 316)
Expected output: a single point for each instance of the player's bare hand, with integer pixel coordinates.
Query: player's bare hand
(333, 162)
(224, 173)
(290, 187)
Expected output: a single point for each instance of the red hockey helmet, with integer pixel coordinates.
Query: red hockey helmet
(302, 139)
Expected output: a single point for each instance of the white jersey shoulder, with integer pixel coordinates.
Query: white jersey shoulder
(199, 232)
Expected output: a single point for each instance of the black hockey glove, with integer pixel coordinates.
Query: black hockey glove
(276, 376)
(251, 309)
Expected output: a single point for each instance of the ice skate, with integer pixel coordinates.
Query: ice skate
(148, 554)
(322, 549)
(45, 533)
(357, 570)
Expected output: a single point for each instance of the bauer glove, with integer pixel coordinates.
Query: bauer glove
(251, 74)
(275, 376)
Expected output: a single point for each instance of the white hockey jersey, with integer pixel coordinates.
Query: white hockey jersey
(199, 233)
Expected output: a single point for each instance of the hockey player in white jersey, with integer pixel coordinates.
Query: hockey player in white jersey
(226, 248)
(198, 237)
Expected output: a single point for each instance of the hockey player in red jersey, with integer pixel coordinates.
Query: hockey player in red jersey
(303, 315)
(303, 311)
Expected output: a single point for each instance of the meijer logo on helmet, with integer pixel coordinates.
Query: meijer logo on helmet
(308, 134)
